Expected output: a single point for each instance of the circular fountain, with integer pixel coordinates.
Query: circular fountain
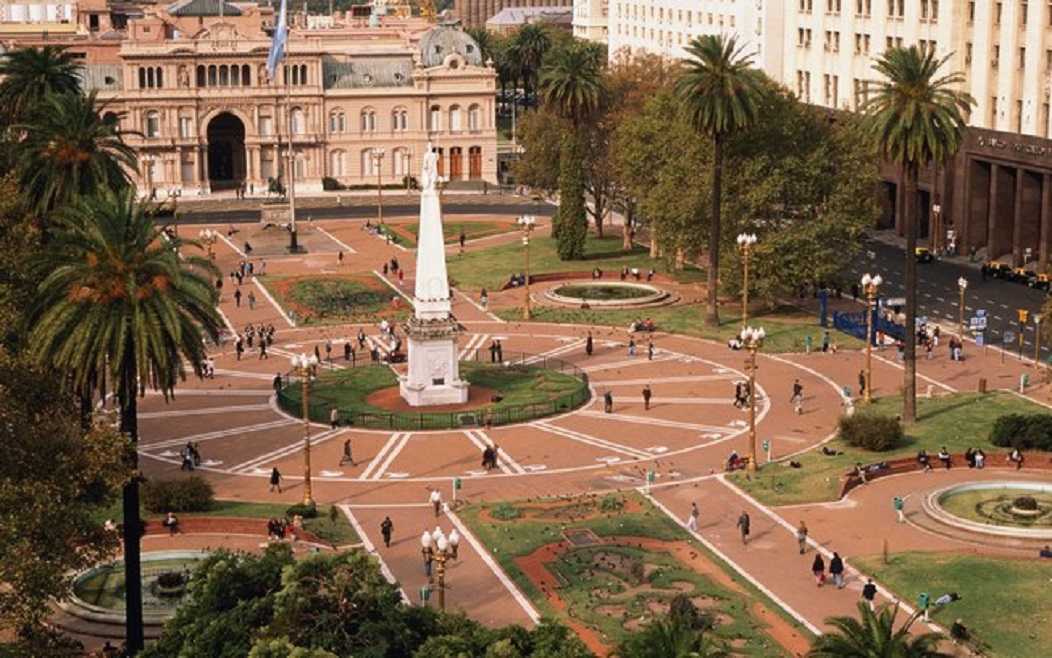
(1003, 509)
(608, 294)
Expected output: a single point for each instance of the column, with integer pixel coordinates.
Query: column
(1017, 220)
(1046, 223)
(991, 213)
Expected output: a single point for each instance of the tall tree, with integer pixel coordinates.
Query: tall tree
(31, 74)
(115, 298)
(720, 91)
(875, 634)
(916, 117)
(71, 150)
(531, 43)
(573, 88)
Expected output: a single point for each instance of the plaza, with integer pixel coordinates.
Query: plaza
(684, 439)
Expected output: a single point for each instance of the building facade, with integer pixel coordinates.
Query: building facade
(475, 13)
(358, 99)
(591, 20)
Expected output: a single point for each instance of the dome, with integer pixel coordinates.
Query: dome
(446, 40)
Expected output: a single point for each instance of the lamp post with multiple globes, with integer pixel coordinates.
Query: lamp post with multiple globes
(377, 154)
(209, 238)
(526, 223)
(436, 546)
(870, 285)
(962, 285)
(745, 243)
(304, 366)
(752, 340)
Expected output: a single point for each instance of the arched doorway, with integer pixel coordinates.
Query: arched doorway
(226, 152)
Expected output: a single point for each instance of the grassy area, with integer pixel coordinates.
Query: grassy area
(1004, 602)
(787, 328)
(973, 416)
(335, 299)
(410, 232)
(585, 571)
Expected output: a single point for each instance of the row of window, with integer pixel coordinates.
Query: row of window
(220, 75)
(688, 18)
(400, 163)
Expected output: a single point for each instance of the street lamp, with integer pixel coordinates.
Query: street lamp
(752, 340)
(745, 243)
(406, 157)
(377, 154)
(936, 210)
(962, 285)
(173, 196)
(436, 546)
(150, 160)
(869, 287)
(1037, 339)
(526, 223)
(209, 238)
(304, 365)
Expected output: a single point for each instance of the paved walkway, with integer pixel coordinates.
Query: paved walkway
(685, 436)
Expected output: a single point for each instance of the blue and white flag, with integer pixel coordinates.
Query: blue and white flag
(277, 46)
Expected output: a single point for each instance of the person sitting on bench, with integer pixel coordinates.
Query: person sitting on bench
(172, 523)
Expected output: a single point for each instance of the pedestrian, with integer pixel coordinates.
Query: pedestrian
(436, 501)
(487, 458)
(650, 349)
(898, 503)
(608, 402)
(339, 258)
(743, 526)
(484, 299)
(187, 456)
(589, 345)
(429, 556)
(632, 346)
(262, 269)
(825, 342)
(801, 537)
(386, 528)
(836, 570)
(210, 368)
(798, 396)
(237, 297)
(808, 342)
(646, 397)
(275, 479)
(263, 350)
(818, 570)
(692, 520)
(869, 593)
(385, 269)
(500, 351)
(348, 457)
(317, 353)
(347, 350)
(251, 300)
(401, 277)
(334, 418)
(861, 382)
(493, 351)
(463, 239)
(928, 351)
(277, 383)
(328, 350)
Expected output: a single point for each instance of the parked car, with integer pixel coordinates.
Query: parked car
(997, 269)
(1021, 275)
(1040, 282)
(924, 255)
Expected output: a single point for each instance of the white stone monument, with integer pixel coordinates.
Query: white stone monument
(434, 372)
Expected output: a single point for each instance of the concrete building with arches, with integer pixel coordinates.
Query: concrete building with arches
(359, 98)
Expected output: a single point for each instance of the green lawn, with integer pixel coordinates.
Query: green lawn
(1005, 602)
(335, 299)
(787, 328)
(956, 421)
(410, 232)
(581, 577)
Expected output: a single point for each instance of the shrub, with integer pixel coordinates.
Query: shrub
(871, 432)
(611, 503)
(330, 184)
(1023, 431)
(305, 511)
(190, 494)
(505, 511)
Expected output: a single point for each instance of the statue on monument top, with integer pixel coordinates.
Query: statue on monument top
(429, 178)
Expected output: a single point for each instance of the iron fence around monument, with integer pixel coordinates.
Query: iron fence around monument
(490, 414)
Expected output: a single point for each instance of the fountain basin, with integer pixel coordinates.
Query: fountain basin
(991, 508)
(608, 294)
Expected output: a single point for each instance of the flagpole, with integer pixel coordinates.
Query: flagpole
(289, 167)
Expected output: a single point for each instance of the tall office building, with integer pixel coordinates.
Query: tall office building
(475, 13)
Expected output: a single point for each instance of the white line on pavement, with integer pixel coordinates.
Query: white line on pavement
(371, 549)
(343, 245)
(273, 302)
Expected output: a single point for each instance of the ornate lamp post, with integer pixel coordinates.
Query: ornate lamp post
(1037, 340)
(377, 154)
(173, 196)
(870, 284)
(304, 366)
(752, 340)
(436, 546)
(745, 243)
(526, 223)
(150, 160)
(936, 240)
(209, 238)
(962, 285)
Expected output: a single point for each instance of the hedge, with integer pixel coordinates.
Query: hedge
(190, 494)
(871, 432)
(1023, 431)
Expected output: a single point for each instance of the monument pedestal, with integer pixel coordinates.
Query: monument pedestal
(434, 371)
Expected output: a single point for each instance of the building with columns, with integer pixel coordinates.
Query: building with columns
(190, 79)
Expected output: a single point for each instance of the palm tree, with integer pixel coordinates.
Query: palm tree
(30, 74)
(720, 91)
(573, 87)
(916, 118)
(875, 634)
(670, 638)
(71, 150)
(531, 43)
(115, 298)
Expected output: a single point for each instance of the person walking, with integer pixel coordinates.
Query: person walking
(899, 504)
(347, 458)
(484, 299)
(386, 528)
(339, 258)
(334, 418)
(861, 382)
(275, 479)
(646, 397)
(798, 396)
(869, 593)
(692, 520)
(436, 501)
(801, 537)
(836, 570)
(818, 570)
(277, 383)
(237, 297)
(608, 402)
(632, 346)
(251, 300)
(589, 344)
(650, 350)
(263, 350)
(743, 526)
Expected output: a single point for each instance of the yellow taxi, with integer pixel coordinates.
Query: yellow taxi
(924, 255)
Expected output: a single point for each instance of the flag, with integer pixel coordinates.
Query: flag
(277, 46)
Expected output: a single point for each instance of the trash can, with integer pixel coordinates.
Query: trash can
(982, 384)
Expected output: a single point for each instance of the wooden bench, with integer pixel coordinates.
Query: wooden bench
(1031, 461)
(222, 525)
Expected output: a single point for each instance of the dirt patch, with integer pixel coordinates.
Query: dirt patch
(535, 567)
(390, 399)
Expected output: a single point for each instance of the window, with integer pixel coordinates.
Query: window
(1023, 10)
(186, 127)
(400, 119)
(368, 120)
(153, 124)
(266, 126)
(337, 121)
(997, 13)
(299, 121)
(968, 53)
(474, 118)
(400, 161)
(971, 12)
(1019, 116)
(454, 118)
(996, 60)
(993, 112)
(436, 119)
(336, 164)
(1022, 57)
